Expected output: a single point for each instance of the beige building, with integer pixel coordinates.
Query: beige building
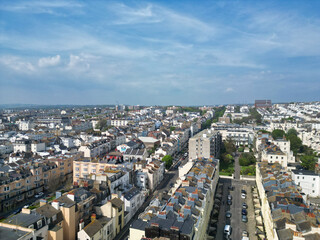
(205, 144)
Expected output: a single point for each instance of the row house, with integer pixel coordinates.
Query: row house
(284, 211)
(185, 214)
(149, 175)
(96, 148)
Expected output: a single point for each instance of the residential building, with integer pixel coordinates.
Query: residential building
(206, 143)
(309, 181)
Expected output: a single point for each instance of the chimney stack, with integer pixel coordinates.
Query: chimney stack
(81, 225)
(55, 203)
(71, 196)
(93, 217)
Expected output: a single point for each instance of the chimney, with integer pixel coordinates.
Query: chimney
(71, 196)
(43, 202)
(58, 194)
(26, 210)
(170, 206)
(187, 210)
(81, 225)
(180, 218)
(190, 201)
(55, 204)
(93, 217)
(200, 184)
(162, 214)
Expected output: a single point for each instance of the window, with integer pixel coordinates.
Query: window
(77, 169)
(39, 223)
(7, 188)
(302, 177)
(312, 191)
(18, 184)
(313, 180)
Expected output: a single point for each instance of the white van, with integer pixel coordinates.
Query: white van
(227, 230)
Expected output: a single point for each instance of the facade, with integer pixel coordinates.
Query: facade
(95, 149)
(309, 182)
(206, 143)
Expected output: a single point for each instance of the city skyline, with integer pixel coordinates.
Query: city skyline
(159, 52)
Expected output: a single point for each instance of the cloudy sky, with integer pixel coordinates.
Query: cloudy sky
(159, 52)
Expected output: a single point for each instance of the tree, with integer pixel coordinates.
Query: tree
(278, 133)
(308, 162)
(247, 159)
(172, 128)
(292, 131)
(167, 159)
(101, 124)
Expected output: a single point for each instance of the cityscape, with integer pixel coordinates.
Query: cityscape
(165, 120)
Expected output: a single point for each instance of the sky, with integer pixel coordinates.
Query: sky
(159, 52)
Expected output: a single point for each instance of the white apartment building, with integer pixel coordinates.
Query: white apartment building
(309, 182)
(119, 122)
(133, 199)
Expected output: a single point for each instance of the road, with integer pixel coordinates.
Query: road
(236, 220)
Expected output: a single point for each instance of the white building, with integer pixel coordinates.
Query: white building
(309, 181)
(133, 199)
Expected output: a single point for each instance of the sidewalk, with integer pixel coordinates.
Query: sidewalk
(251, 226)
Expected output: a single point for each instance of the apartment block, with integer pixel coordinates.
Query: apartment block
(205, 144)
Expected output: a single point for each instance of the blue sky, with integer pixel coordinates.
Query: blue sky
(159, 52)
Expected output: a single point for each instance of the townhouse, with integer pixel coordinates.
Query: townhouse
(186, 213)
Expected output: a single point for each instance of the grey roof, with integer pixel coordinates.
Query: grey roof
(8, 234)
(139, 224)
(23, 219)
(285, 234)
(131, 193)
(304, 172)
(47, 210)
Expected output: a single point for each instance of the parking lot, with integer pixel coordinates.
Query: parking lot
(235, 209)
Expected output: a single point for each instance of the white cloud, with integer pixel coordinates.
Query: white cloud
(49, 61)
(229, 89)
(17, 64)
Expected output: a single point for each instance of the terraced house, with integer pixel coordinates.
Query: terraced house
(186, 213)
(284, 210)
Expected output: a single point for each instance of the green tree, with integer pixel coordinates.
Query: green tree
(292, 131)
(308, 162)
(167, 159)
(101, 124)
(278, 133)
(247, 159)
(172, 128)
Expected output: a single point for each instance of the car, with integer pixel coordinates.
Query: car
(40, 194)
(244, 212)
(229, 202)
(244, 205)
(171, 184)
(229, 197)
(245, 233)
(17, 211)
(243, 191)
(228, 214)
(243, 195)
(231, 188)
(244, 218)
(227, 230)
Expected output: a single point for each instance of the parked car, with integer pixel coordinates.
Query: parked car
(227, 230)
(231, 188)
(245, 233)
(39, 195)
(243, 195)
(244, 212)
(244, 218)
(228, 214)
(229, 202)
(229, 197)
(244, 205)
(243, 191)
